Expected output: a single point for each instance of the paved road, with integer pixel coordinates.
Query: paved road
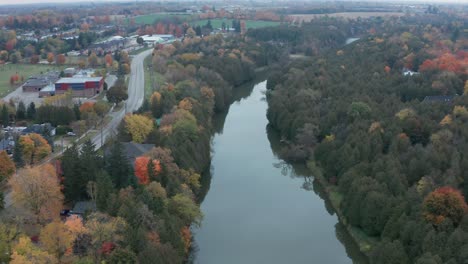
(136, 93)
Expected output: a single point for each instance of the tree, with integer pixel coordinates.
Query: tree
(26, 252)
(186, 209)
(34, 148)
(60, 59)
(5, 116)
(109, 60)
(56, 238)
(31, 111)
(146, 169)
(140, 40)
(101, 108)
(50, 57)
(7, 236)
(70, 164)
(191, 33)
(389, 253)
(104, 188)
(156, 105)
(7, 166)
(38, 190)
(117, 94)
(118, 167)
(103, 228)
(93, 60)
(21, 111)
(138, 126)
(18, 155)
(444, 202)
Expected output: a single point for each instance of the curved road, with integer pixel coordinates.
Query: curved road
(136, 93)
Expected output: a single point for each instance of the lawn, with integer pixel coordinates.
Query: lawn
(217, 23)
(23, 70)
(149, 19)
(151, 78)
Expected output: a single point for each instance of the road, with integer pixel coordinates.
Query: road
(136, 93)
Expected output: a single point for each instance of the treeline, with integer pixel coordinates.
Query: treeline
(393, 163)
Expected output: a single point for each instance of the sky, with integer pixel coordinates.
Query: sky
(9, 2)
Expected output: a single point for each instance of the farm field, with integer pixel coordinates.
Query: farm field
(216, 23)
(149, 19)
(348, 15)
(23, 70)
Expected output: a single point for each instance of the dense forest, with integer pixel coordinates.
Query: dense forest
(382, 122)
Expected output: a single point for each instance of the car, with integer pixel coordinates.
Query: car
(65, 212)
(71, 134)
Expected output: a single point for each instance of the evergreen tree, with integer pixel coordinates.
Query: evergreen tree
(104, 189)
(118, 167)
(5, 116)
(89, 164)
(21, 111)
(72, 174)
(18, 155)
(31, 111)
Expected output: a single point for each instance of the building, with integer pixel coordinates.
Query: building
(80, 86)
(40, 129)
(447, 99)
(47, 91)
(69, 72)
(36, 83)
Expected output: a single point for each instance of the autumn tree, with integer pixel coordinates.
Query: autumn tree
(117, 94)
(50, 57)
(8, 234)
(109, 60)
(57, 238)
(146, 169)
(34, 148)
(93, 60)
(25, 252)
(444, 202)
(156, 105)
(7, 166)
(186, 209)
(38, 190)
(138, 126)
(60, 59)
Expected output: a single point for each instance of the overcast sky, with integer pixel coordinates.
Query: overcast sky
(9, 2)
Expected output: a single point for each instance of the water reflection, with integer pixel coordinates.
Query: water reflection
(252, 213)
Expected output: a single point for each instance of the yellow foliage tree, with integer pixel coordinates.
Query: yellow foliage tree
(447, 120)
(405, 113)
(460, 111)
(25, 252)
(138, 126)
(57, 238)
(34, 148)
(37, 189)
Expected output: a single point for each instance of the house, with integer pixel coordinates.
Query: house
(80, 86)
(134, 150)
(439, 99)
(407, 72)
(7, 144)
(40, 129)
(83, 207)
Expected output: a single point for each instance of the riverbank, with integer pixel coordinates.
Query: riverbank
(364, 242)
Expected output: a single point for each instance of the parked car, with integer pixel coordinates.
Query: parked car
(71, 134)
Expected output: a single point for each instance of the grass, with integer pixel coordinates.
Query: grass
(217, 23)
(151, 77)
(23, 70)
(149, 19)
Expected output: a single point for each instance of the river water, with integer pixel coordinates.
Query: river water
(259, 209)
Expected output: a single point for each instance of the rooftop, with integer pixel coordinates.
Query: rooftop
(79, 80)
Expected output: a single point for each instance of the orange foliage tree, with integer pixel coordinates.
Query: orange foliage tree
(142, 169)
(7, 166)
(60, 59)
(444, 202)
(87, 107)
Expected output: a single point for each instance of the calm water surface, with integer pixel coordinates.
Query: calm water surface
(254, 213)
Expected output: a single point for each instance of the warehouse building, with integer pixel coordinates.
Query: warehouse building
(80, 86)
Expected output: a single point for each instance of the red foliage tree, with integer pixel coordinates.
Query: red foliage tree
(141, 169)
(444, 202)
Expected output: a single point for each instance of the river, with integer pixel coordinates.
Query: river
(258, 209)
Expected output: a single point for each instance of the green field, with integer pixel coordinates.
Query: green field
(149, 19)
(217, 23)
(152, 79)
(24, 70)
